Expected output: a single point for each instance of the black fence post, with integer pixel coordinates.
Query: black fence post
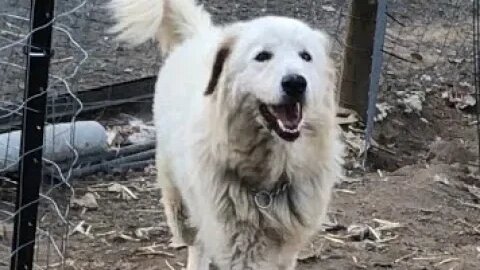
(38, 53)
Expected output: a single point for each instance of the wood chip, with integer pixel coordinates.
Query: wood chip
(449, 260)
(333, 239)
(387, 239)
(83, 229)
(358, 232)
(475, 191)
(105, 233)
(357, 263)
(472, 205)
(386, 225)
(169, 265)
(432, 258)
(126, 237)
(350, 119)
(347, 191)
(157, 253)
(442, 179)
(406, 257)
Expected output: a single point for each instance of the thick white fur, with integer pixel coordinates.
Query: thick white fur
(202, 139)
(168, 22)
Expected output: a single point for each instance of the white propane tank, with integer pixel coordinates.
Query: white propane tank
(86, 137)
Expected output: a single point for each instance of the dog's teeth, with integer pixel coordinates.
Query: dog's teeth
(284, 129)
(280, 124)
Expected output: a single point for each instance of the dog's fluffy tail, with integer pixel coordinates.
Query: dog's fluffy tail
(167, 21)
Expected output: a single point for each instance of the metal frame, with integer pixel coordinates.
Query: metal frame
(38, 53)
(99, 98)
(362, 63)
(476, 66)
(376, 70)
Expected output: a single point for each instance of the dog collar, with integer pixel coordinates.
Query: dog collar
(264, 198)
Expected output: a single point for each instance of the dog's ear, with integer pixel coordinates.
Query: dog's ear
(220, 58)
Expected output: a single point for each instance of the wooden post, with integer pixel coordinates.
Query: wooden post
(357, 62)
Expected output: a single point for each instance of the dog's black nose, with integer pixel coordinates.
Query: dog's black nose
(294, 85)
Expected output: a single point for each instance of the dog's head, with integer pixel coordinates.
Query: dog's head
(278, 69)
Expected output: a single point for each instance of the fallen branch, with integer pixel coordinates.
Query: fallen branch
(449, 260)
(156, 252)
(398, 57)
(472, 205)
(334, 239)
(386, 225)
(476, 229)
(405, 257)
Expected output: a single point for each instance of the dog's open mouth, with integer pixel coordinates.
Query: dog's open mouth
(285, 119)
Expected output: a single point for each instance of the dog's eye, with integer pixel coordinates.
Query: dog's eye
(306, 56)
(263, 56)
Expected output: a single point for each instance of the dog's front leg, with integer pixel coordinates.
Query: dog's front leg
(175, 212)
(197, 259)
(172, 203)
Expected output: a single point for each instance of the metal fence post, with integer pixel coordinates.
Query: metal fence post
(38, 53)
(375, 70)
(476, 67)
(363, 59)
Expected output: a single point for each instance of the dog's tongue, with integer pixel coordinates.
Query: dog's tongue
(289, 114)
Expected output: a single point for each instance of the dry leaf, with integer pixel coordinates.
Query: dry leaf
(328, 8)
(414, 102)
(350, 119)
(475, 191)
(358, 232)
(460, 98)
(125, 192)
(87, 201)
(417, 56)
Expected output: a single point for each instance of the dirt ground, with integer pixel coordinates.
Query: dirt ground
(420, 217)
(417, 206)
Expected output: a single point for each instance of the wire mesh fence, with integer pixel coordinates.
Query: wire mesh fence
(429, 45)
(426, 81)
(13, 62)
(427, 77)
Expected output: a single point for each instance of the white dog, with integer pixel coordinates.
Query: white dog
(247, 137)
